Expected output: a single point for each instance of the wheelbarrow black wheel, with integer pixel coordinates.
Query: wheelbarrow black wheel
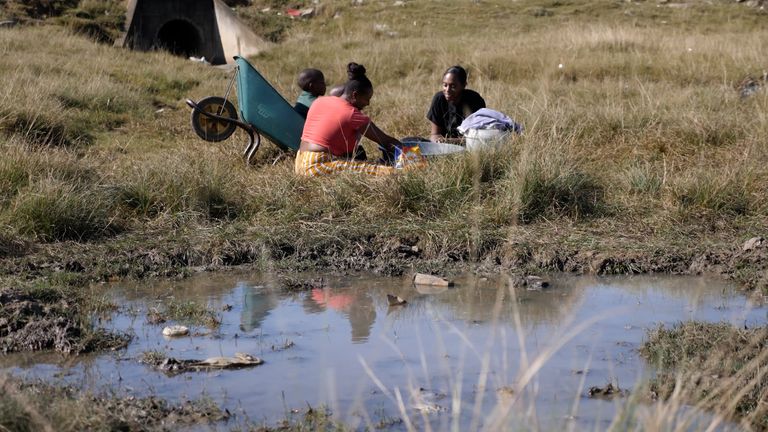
(214, 129)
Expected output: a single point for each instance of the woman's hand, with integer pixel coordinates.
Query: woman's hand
(373, 133)
(436, 134)
(442, 139)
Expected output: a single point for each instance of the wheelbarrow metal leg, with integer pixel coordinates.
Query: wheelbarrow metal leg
(254, 140)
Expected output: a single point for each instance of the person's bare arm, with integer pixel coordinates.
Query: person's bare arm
(373, 133)
(436, 135)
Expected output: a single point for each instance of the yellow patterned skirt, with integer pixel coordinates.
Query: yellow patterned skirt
(311, 164)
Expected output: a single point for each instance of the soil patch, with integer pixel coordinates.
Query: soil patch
(46, 320)
(27, 406)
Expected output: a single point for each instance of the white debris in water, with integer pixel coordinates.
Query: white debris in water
(175, 330)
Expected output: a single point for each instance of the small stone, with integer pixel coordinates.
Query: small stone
(754, 243)
(610, 391)
(394, 300)
(426, 279)
(748, 87)
(426, 401)
(535, 283)
(175, 330)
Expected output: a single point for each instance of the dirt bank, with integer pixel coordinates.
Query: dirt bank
(142, 257)
(46, 319)
(27, 406)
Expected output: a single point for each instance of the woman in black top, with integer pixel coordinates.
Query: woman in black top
(452, 105)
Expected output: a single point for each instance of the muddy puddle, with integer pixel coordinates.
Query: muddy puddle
(465, 357)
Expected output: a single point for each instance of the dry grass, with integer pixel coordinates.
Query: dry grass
(640, 128)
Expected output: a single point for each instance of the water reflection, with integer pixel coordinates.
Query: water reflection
(355, 305)
(257, 304)
(474, 300)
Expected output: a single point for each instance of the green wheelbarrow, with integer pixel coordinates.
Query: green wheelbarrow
(263, 111)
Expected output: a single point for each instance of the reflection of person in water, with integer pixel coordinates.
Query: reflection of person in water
(256, 306)
(356, 306)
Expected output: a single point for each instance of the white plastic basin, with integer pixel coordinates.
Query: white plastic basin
(484, 138)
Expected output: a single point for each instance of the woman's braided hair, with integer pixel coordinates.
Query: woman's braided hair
(358, 81)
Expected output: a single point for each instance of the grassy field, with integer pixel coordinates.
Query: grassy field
(639, 148)
(639, 155)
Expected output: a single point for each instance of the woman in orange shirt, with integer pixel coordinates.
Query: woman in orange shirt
(334, 127)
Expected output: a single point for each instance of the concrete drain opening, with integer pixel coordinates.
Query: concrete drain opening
(199, 28)
(180, 38)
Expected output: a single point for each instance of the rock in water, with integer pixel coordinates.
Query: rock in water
(425, 279)
(530, 282)
(394, 300)
(175, 330)
(535, 283)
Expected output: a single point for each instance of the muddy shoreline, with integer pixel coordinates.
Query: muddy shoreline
(389, 256)
(58, 315)
(36, 405)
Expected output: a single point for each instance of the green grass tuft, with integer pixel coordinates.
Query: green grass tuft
(711, 192)
(190, 312)
(52, 211)
(543, 193)
(644, 179)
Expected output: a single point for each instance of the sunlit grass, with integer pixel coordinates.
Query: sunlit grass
(629, 124)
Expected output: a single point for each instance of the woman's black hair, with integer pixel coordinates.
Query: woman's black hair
(459, 72)
(357, 80)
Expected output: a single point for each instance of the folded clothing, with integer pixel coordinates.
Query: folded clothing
(486, 118)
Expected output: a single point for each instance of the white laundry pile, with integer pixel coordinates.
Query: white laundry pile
(486, 118)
